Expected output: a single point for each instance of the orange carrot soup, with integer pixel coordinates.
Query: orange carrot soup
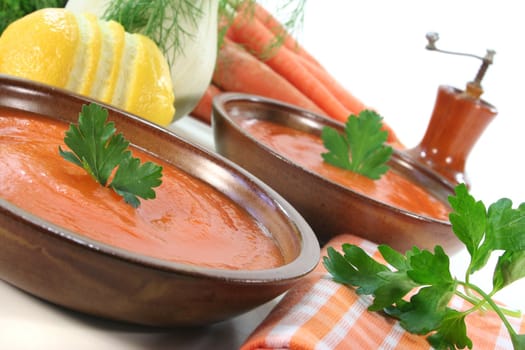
(189, 221)
(305, 149)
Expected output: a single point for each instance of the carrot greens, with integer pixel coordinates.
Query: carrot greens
(426, 275)
(98, 150)
(361, 148)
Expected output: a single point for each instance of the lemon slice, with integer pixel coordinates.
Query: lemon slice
(92, 57)
(109, 62)
(87, 55)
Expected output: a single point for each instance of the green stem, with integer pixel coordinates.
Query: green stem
(471, 299)
(494, 306)
(480, 304)
(468, 291)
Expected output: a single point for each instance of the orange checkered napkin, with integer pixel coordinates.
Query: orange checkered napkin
(321, 314)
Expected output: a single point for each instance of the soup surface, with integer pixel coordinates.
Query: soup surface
(305, 149)
(189, 221)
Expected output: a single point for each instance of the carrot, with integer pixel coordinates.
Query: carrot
(238, 70)
(392, 139)
(251, 33)
(271, 23)
(256, 29)
(203, 109)
(353, 104)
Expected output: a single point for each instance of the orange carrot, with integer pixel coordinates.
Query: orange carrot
(392, 139)
(256, 29)
(271, 23)
(352, 103)
(203, 109)
(252, 34)
(238, 70)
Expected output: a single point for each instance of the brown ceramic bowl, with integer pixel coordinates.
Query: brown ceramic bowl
(328, 207)
(82, 274)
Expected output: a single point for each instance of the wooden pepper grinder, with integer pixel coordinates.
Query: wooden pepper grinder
(458, 120)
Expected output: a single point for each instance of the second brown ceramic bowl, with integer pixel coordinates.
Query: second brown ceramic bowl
(328, 207)
(72, 270)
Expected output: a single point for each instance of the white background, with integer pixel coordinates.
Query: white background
(376, 49)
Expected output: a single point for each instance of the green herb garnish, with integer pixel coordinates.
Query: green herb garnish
(170, 23)
(167, 22)
(500, 228)
(361, 148)
(97, 149)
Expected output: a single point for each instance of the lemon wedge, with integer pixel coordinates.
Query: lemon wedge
(149, 83)
(41, 47)
(91, 57)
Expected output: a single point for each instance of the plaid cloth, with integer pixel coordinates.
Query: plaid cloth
(321, 314)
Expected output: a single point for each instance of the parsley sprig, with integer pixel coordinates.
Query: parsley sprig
(361, 148)
(427, 274)
(97, 149)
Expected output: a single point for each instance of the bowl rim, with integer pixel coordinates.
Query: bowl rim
(220, 101)
(304, 262)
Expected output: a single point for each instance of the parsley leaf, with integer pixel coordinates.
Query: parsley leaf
(426, 276)
(452, 330)
(426, 310)
(356, 268)
(133, 179)
(94, 147)
(509, 268)
(361, 148)
(468, 219)
(98, 150)
(501, 227)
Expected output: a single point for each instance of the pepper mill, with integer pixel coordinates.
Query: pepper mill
(458, 120)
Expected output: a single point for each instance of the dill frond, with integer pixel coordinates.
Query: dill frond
(170, 22)
(167, 22)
